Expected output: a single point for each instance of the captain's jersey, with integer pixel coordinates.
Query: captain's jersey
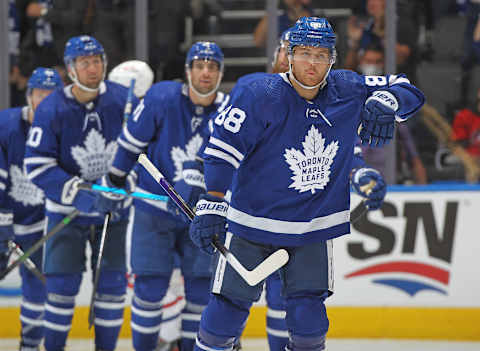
(287, 159)
(17, 193)
(69, 139)
(170, 129)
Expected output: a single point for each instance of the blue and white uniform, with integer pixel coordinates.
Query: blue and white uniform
(26, 202)
(70, 142)
(170, 129)
(288, 162)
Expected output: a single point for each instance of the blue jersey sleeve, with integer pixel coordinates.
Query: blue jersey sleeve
(409, 98)
(358, 161)
(42, 152)
(137, 133)
(237, 129)
(3, 176)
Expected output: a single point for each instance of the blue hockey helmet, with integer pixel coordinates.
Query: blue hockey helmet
(285, 35)
(44, 78)
(312, 31)
(83, 45)
(205, 50)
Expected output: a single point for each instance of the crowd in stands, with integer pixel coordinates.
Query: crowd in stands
(40, 28)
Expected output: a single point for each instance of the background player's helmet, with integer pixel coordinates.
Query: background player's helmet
(313, 31)
(283, 42)
(83, 45)
(134, 69)
(205, 50)
(44, 78)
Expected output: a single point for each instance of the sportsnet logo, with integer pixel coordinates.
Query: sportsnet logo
(425, 257)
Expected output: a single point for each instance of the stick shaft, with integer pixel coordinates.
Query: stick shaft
(91, 311)
(59, 226)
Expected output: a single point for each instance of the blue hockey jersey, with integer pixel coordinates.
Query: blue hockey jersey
(288, 159)
(17, 192)
(170, 129)
(69, 139)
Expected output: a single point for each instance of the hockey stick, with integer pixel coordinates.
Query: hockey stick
(138, 195)
(59, 226)
(91, 312)
(28, 262)
(273, 262)
(361, 209)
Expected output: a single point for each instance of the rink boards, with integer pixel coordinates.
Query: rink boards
(410, 270)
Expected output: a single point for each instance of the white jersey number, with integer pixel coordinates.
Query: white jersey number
(375, 81)
(34, 136)
(231, 119)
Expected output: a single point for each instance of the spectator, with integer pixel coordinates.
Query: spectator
(114, 28)
(466, 128)
(17, 97)
(471, 55)
(374, 32)
(294, 9)
(36, 39)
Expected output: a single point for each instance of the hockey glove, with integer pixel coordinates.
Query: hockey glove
(378, 119)
(374, 196)
(190, 187)
(6, 234)
(110, 202)
(210, 220)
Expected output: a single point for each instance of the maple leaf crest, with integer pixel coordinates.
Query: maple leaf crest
(96, 157)
(311, 168)
(23, 190)
(179, 155)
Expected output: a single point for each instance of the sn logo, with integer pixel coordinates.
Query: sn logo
(439, 245)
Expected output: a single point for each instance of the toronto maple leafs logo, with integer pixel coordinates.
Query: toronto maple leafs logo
(179, 155)
(23, 190)
(311, 168)
(96, 157)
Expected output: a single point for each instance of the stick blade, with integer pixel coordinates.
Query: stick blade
(273, 262)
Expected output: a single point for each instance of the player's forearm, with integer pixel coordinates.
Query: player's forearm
(218, 176)
(410, 100)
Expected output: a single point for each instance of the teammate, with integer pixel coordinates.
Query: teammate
(72, 140)
(22, 216)
(285, 145)
(170, 125)
(173, 302)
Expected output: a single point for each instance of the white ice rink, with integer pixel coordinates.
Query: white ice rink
(332, 345)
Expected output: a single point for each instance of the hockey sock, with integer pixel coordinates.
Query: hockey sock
(276, 325)
(197, 292)
(108, 306)
(31, 317)
(147, 311)
(61, 292)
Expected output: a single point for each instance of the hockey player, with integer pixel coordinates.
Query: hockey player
(284, 144)
(173, 302)
(170, 125)
(361, 174)
(22, 215)
(72, 140)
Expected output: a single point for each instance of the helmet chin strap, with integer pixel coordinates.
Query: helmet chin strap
(73, 76)
(213, 91)
(308, 87)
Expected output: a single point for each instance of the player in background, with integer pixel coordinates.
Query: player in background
(170, 125)
(22, 208)
(173, 302)
(73, 140)
(277, 331)
(284, 145)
